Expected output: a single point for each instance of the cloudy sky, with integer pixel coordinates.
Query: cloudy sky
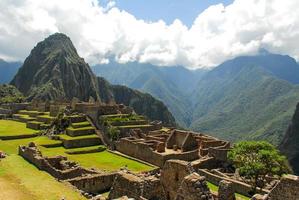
(191, 33)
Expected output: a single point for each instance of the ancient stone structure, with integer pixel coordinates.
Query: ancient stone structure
(226, 191)
(287, 189)
(194, 187)
(89, 181)
(172, 174)
(151, 151)
(137, 186)
(182, 140)
(156, 147)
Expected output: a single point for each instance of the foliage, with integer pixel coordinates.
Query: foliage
(256, 160)
(10, 94)
(113, 133)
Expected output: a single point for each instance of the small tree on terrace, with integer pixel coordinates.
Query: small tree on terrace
(256, 160)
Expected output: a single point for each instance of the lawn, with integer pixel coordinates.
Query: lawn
(214, 188)
(21, 180)
(102, 160)
(11, 146)
(13, 128)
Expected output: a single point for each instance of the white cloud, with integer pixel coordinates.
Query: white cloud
(98, 32)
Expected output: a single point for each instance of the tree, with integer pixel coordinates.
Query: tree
(256, 160)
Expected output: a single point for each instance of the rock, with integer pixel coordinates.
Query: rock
(226, 191)
(194, 187)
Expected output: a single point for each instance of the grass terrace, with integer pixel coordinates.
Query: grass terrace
(14, 128)
(103, 160)
(66, 137)
(11, 146)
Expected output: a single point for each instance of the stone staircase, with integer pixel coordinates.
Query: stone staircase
(81, 133)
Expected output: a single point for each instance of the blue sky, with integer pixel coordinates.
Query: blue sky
(168, 10)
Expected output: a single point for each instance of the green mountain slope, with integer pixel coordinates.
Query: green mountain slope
(244, 102)
(171, 85)
(249, 97)
(290, 143)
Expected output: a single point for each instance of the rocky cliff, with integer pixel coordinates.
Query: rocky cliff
(290, 142)
(55, 71)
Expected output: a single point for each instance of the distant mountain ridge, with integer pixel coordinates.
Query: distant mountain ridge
(8, 70)
(171, 85)
(249, 97)
(54, 71)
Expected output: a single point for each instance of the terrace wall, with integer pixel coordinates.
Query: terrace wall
(94, 184)
(81, 142)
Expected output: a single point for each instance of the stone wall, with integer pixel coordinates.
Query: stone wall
(172, 174)
(139, 149)
(194, 187)
(239, 187)
(182, 140)
(218, 153)
(81, 142)
(94, 184)
(89, 181)
(57, 166)
(286, 189)
(135, 186)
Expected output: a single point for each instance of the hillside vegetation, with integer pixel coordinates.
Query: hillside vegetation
(249, 97)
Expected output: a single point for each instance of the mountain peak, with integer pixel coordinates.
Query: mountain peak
(54, 70)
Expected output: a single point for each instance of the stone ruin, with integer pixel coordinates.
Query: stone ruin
(194, 187)
(176, 181)
(137, 187)
(156, 147)
(226, 191)
(86, 180)
(286, 189)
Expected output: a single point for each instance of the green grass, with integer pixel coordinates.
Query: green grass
(46, 116)
(86, 123)
(80, 129)
(13, 128)
(134, 126)
(66, 137)
(214, 188)
(74, 150)
(102, 160)
(11, 146)
(24, 181)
